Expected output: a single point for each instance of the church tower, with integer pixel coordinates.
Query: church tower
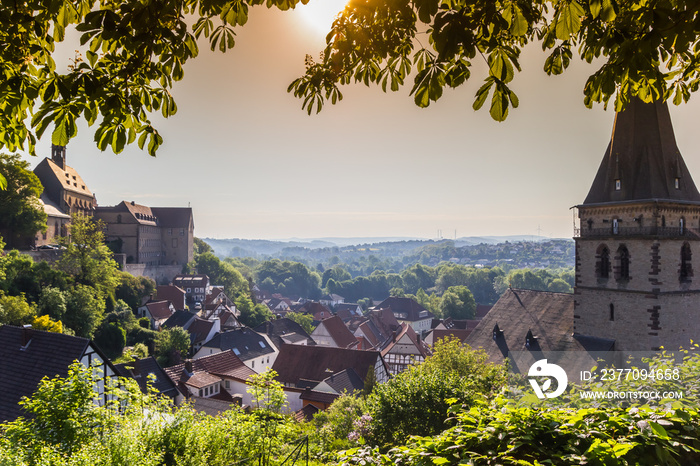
(638, 229)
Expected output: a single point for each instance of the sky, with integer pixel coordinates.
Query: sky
(242, 153)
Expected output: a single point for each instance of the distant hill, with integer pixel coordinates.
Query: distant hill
(515, 251)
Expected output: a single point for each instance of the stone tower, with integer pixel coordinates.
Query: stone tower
(638, 229)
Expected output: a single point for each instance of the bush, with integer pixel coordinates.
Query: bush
(416, 401)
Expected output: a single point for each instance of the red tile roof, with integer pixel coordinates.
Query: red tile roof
(339, 332)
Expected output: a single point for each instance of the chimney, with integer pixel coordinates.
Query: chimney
(58, 155)
(27, 334)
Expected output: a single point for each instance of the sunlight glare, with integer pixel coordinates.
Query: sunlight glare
(319, 14)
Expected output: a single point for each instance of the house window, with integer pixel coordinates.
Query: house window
(663, 221)
(182, 232)
(686, 271)
(603, 262)
(616, 226)
(682, 226)
(119, 218)
(612, 312)
(677, 183)
(227, 384)
(623, 272)
(253, 364)
(618, 185)
(170, 232)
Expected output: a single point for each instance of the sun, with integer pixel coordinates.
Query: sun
(319, 14)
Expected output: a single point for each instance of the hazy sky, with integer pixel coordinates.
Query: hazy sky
(252, 164)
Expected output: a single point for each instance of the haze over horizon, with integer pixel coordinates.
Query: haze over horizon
(252, 164)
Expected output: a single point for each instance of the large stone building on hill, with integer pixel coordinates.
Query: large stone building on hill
(639, 226)
(149, 235)
(65, 193)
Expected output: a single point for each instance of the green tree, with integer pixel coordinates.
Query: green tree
(305, 320)
(416, 401)
(200, 247)
(559, 286)
(133, 289)
(47, 324)
(172, 345)
(111, 339)
(252, 315)
(222, 273)
(267, 393)
(21, 212)
(458, 303)
(15, 310)
(52, 302)
(648, 49)
(85, 308)
(86, 257)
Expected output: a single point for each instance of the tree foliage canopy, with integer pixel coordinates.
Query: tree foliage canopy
(649, 48)
(21, 211)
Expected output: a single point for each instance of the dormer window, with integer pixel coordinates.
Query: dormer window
(530, 340)
(618, 185)
(497, 332)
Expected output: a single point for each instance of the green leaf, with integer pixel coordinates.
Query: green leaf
(658, 429)
(569, 19)
(482, 94)
(499, 105)
(3, 182)
(595, 6)
(60, 136)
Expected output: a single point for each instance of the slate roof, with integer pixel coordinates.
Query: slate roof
(21, 368)
(346, 381)
(296, 362)
(319, 397)
(51, 209)
(407, 307)
(69, 178)
(174, 217)
(245, 342)
(339, 332)
(643, 155)
(548, 316)
(143, 371)
(284, 327)
(179, 319)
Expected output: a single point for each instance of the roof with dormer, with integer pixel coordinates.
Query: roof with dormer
(68, 178)
(643, 157)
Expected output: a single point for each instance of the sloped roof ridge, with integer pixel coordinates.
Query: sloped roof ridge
(644, 157)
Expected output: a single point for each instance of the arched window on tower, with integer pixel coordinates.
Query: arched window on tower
(603, 262)
(686, 272)
(682, 226)
(623, 264)
(612, 311)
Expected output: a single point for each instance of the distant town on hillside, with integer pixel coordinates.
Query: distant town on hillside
(502, 251)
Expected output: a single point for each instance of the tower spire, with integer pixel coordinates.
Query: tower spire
(642, 161)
